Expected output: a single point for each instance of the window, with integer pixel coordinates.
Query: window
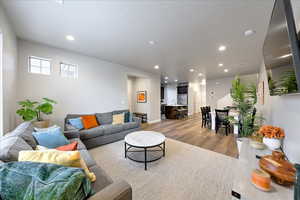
(39, 65)
(68, 70)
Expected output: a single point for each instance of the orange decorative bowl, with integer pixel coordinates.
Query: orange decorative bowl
(261, 180)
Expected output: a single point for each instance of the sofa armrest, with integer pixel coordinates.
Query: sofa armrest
(137, 119)
(72, 134)
(119, 190)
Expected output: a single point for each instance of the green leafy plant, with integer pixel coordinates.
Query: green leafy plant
(286, 84)
(244, 98)
(31, 110)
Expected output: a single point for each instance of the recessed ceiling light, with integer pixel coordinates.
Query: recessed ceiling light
(156, 67)
(166, 78)
(222, 48)
(175, 80)
(200, 74)
(151, 42)
(70, 37)
(221, 64)
(192, 70)
(226, 70)
(166, 81)
(285, 56)
(249, 32)
(59, 1)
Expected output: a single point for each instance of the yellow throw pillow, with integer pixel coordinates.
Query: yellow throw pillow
(66, 158)
(118, 119)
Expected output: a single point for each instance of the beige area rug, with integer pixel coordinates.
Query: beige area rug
(186, 173)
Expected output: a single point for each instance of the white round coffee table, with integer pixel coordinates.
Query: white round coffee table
(148, 141)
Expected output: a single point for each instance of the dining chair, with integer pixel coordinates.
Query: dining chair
(208, 116)
(203, 116)
(222, 120)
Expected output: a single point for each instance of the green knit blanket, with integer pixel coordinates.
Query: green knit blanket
(35, 181)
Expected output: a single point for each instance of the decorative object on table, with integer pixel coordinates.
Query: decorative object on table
(282, 171)
(32, 110)
(244, 99)
(142, 96)
(297, 185)
(261, 93)
(257, 141)
(272, 136)
(261, 180)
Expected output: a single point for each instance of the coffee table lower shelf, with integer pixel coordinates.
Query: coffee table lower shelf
(156, 148)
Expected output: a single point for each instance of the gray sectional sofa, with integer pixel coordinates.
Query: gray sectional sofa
(106, 189)
(105, 133)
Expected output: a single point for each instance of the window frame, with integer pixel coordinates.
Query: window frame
(41, 59)
(68, 64)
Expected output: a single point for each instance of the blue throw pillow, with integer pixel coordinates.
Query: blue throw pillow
(130, 117)
(126, 117)
(76, 122)
(51, 138)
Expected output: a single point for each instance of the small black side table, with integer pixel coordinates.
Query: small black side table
(143, 116)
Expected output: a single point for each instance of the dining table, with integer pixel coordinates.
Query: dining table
(232, 113)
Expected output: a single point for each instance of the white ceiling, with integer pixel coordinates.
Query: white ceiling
(187, 33)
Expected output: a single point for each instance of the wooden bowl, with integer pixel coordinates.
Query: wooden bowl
(261, 180)
(282, 171)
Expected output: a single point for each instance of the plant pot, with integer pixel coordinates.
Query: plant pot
(41, 124)
(239, 142)
(272, 143)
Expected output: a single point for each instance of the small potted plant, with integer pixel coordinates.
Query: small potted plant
(272, 136)
(32, 110)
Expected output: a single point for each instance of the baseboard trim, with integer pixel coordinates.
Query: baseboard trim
(154, 121)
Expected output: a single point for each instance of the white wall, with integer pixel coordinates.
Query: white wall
(219, 88)
(283, 111)
(196, 97)
(136, 84)
(171, 94)
(8, 74)
(130, 82)
(100, 87)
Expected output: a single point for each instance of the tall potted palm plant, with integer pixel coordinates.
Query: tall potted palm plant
(245, 97)
(33, 110)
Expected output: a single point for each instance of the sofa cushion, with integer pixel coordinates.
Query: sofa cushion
(130, 125)
(24, 131)
(119, 112)
(80, 145)
(10, 146)
(89, 121)
(111, 129)
(104, 118)
(69, 147)
(51, 139)
(118, 118)
(91, 133)
(86, 156)
(76, 123)
(102, 180)
(66, 158)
